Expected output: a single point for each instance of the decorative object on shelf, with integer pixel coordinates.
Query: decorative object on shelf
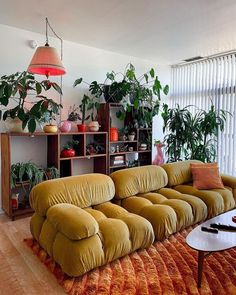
(68, 150)
(65, 126)
(50, 128)
(94, 148)
(131, 136)
(189, 136)
(26, 172)
(134, 163)
(143, 147)
(14, 125)
(159, 158)
(15, 88)
(94, 126)
(15, 201)
(131, 149)
(113, 149)
(113, 134)
(123, 148)
(46, 60)
(82, 127)
(117, 149)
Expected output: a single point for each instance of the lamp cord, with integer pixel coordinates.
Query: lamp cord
(61, 41)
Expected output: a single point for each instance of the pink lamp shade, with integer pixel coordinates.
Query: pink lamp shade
(46, 62)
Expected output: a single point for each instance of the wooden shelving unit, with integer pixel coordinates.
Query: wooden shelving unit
(54, 142)
(143, 157)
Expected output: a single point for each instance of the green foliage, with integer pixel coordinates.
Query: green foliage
(140, 95)
(26, 172)
(73, 114)
(51, 173)
(16, 88)
(82, 107)
(191, 136)
(71, 145)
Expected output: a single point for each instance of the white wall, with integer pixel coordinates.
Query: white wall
(79, 61)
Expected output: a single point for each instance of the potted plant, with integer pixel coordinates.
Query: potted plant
(26, 173)
(93, 106)
(68, 150)
(16, 90)
(94, 148)
(73, 116)
(50, 116)
(51, 173)
(82, 127)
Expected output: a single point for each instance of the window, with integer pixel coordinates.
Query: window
(201, 82)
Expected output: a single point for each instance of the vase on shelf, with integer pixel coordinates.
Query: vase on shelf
(159, 158)
(65, 126)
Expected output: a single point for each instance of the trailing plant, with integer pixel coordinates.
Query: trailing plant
(17, 88)
(191, 136)
(28, 171)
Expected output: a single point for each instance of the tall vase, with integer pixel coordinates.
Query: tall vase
(159, 158)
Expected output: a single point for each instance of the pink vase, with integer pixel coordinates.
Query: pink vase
(159, 158)
(65, 126)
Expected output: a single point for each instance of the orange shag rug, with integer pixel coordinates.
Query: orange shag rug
(168, 267)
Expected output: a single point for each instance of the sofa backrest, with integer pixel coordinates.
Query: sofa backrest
(179, 172)
(137, 180)
(82, 191)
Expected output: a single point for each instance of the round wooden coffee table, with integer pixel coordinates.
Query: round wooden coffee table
(206, 243)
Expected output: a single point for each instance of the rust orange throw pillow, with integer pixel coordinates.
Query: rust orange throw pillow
(206, 176)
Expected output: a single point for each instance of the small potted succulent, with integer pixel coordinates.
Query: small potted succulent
(130, 130)
(68, 150)
(94, 106)
(82, 127)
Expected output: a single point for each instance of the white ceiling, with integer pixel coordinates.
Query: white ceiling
(165, 31)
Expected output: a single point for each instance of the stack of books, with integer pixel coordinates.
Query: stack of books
(118, 160)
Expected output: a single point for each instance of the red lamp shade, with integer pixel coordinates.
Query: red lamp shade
(46, 62)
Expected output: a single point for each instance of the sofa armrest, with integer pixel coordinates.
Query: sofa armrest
(229, 180)
(72, 221)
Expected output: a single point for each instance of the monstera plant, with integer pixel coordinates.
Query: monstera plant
(25, 99)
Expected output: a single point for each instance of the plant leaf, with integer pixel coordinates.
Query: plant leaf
(77, 82)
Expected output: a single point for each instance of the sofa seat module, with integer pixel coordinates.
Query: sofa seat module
(216, 200)
(78, 226)
(141, 190)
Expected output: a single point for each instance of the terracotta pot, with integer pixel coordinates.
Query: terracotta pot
(50, 128)
(94, 126)
(67, 153)
(65, 126)
(81, 127)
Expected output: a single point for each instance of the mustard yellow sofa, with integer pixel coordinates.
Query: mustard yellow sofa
(141, 190)
(217, 200)
(80, 228)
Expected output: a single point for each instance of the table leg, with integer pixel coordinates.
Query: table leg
(201, 256)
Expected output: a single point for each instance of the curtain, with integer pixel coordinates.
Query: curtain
(205, 82)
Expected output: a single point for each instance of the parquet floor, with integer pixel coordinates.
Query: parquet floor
(21, 272)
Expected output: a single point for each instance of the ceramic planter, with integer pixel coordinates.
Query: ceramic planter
(131, 137)
(65, 126)
(50, 128)
(81, 127)
(94, 126)
(143, 147)
(14, 125)
(68, 153)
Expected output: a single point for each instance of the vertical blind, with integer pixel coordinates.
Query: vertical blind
(205, 82)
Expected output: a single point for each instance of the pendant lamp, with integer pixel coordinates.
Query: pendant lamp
(46, 60)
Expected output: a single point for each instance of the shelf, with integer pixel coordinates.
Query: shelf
(80, 133)
(118, 166)
(83, 157)
(124, 141)
(20, 212)
(122, 153)
(147, 151)
(51, 134)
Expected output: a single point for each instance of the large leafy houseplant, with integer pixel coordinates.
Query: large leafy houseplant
(17, 90)
(191, 136)
(140, 95)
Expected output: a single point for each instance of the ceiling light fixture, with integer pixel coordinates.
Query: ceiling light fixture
(46, 60)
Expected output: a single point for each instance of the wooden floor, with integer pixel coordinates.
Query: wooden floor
(21, 272)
